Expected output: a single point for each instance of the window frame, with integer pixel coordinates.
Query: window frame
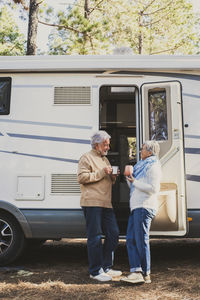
(8, 96)
(165, 145)
(157, 91)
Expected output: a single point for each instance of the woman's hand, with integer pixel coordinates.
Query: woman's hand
(130, 178)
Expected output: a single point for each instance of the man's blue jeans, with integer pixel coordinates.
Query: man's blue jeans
(137, 239)
(100, 221)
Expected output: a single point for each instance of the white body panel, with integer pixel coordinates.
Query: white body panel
(39, 138)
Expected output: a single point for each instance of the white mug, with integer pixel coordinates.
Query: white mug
(115, 170)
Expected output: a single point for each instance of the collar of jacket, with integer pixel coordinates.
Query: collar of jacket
(98, 153)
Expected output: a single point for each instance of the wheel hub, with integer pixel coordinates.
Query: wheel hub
(6, 236)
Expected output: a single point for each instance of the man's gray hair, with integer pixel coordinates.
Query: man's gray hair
(152, 146)
(98, 137)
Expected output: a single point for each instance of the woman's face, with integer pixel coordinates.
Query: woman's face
(144, 153)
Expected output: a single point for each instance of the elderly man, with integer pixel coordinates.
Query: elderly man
(96, 179)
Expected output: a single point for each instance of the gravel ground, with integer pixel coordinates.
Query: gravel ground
(59, 270)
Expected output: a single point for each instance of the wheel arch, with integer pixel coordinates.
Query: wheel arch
(12, 210)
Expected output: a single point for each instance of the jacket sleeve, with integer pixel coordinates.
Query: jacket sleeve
(153, 181)
(128, 182)
(86, 175)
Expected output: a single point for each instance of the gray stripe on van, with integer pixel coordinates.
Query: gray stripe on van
(193, 177)
(192, 150)
(48, 138)
(191, 136)
(191, 95)
(41, 156)
(32, 86)
(46, 124)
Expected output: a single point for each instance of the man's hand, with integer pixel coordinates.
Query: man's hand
(108, 170)
(115, 175)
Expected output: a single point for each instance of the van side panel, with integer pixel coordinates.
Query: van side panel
(57, 223)
(42, 141)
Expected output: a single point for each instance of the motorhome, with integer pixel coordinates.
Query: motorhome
(49, 108)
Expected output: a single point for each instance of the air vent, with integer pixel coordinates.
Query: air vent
(64, 184)
(72, 95)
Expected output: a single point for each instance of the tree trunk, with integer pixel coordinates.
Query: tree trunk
(140, 36)
(85, 39)
(86, 9)
(32, 28)
(140, 42)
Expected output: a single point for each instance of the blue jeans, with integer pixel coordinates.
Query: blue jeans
(137, 239)
(100, 221)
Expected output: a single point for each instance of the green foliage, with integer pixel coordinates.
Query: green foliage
(99, 26)
(156, 27)
(12, 42)
(81, 31)
(147, 27)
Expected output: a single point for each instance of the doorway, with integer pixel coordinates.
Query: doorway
(117, 116)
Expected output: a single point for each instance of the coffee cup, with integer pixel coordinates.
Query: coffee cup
(115, 170)
(128, 171)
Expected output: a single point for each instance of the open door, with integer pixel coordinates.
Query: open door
(117, 115)
(161, 120)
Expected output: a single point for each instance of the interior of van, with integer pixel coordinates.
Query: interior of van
(118, 118)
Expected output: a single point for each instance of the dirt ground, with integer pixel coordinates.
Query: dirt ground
(59, 270)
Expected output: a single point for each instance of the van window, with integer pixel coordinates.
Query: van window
(158, 129)
(5, 93)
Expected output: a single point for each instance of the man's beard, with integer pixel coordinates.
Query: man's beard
(104, 153)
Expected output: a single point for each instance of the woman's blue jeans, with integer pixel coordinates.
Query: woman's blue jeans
(137, 239)
(100, 221)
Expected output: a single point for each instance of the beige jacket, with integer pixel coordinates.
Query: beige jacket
(96, 185)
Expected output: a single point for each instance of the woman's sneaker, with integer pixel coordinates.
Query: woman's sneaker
(133, 278)
(147, 279)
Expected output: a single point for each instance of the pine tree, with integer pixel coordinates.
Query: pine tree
(12, 42)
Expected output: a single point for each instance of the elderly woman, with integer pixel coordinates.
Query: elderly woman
(144, 185)
(96, 179)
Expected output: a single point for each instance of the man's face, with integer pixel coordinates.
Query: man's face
(103, 147)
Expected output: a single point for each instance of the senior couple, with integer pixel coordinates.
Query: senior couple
(96, 179)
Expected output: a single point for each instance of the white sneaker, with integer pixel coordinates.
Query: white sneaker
(147, 279)
(133, 278)
(113, 273)
(101, 277)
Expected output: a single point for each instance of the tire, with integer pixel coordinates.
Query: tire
(12, 240)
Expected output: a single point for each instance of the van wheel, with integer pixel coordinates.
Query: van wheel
(12, 239)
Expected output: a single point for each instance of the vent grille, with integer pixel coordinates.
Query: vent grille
(72, 95)
(64, 184)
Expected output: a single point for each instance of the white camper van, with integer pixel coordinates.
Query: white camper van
(49, 108)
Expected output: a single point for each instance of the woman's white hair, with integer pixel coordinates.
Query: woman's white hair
(152, 146)
(99, 137)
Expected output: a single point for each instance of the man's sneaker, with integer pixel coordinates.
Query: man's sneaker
(147, 279)
(113, 273)
(101, 277)
(133, 278)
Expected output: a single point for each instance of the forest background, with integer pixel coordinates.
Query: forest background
(98, 27)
